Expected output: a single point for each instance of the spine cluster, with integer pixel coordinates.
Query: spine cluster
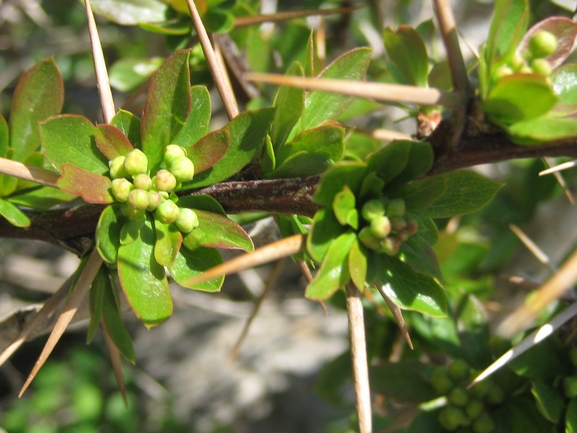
(138, 192)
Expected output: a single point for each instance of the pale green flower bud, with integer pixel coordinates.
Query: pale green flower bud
(173, 151)
(136, 162)
(167, 212)
(542, 44)
(396, 207)
(117, 169)
(503, 71)
(187, 220)
(517, 62)
(398, 224)
(390, 245)
(154, 200)
(165, 180)
(541, 67)
(121, 189)
(142, 181)
(373, 209)
(412, 226)
(132, 214)
(380, 227)
(138, 199)
(182, 168)
(368, 239)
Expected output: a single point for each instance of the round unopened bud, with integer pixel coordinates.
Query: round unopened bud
(459, 369)
(517, 62)
(458, 396)
(452, 417)
(403, 235)
(173, 151)
(167, 212)
(136, 162)
(398, 224)
(441, 381)
(396, 207)
(474, 408)
(117, 169)
(131, 213)
(380, 227)
(368, 239)
(503, 71)
(541, 67)
(570, 386)
(121, 189)
(165, 180)
(154, 200)
(182, 168)
(412, 226)
(187, 220)
(142, 181)
(390, 245)
(542, 43)
(138, 199)
(484, 424)
(373, 209)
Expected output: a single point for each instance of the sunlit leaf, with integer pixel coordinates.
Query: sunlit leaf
(41, 198)
(420, 194)
(127, 75)
(358, 264)
(168, 242)
(111, 141)
(129, 124)
(108, 233)
(543, 129)
(209, 150)
(217, 231)
(189, 264)
(93, 188)
(196, 125)
(344, 208)
(408, 53)
(14, 215)
(324, 230)
(549, 400)
(290, 105)
(334, 179)
(131, 12)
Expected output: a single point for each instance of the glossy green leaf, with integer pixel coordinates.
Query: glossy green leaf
(114, 324)
(143, 279)
(520, 415)
(420, 194)
(93, 188)
(4, 137)
(217, 20)
(112, 142)
(131, 12)
(172, 27)
(168, 242)
(410, 290)
(70, 139)
(41, 198)
(372, 186)
(290, 225)
(35, 159)
(167, 107)
(466, 192)
(564, 81)
(196, 126)
(202, 202)
(247, 134)
(130, 231)
(508, 26)
(39, 94)
(324, 230)
(420, 161)
(128, 74)
(391, 160)
(549, 400)
(320, 106)
(543, 129)
(440, 76)
(311, 152)
(333, 180)
(334, 270)
(108, 233)
(13, 215)
(129, 124)
(571, 416)
(427, 229)
(95, 302)
(419, 255)
(290, 102)
(543, 361)
(407, 51)
(209, 150)
(519, 97)
(344, 208)
(190, 264)
(217, 231)
(8, 184)
(402, 382)
(358, 264)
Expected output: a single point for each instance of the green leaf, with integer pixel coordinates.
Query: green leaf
(571, 416)
(130, 231)
(168, 242)
(39, 94)
(391, 160)
(93, 188)
(542, 129)
(320, 106)
(427, 229)
(217, 231)
(407, 51)
(190, 264)
(172, 27)
(41, 198)
(13, 215)
(311, 152)
(114, 324)
(8, 184)
(95, 301)
(129, 124)
(209, 150)
(344, 208)
(324, 230)
(131, 12)
(543, 361)
(196, 126)
(402, 381)
(519, 97)
(549, 400)
(202, 202)
(143, 280)
(70, 139)
(128, 74)
(112, 142)
(420, 161)
(420, 194)
(291, 101)
(334, 179)
(358, 264)
(167, 107)
(334, 270)
(4, 137)
(217, 20)
(508, 26)
(372, 186)
(466, 192)
(419, 255)
(247, 134)
(108, 233)
(410, 290)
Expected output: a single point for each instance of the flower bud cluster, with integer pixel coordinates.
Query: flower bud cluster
(154, 194)
(532, 61)
(388, 226)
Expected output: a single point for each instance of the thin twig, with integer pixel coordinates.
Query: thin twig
(359, 357)
(28, 172)
(224, 90)
(560, 180)
(375, 91)
(102, 82)
(533, 247)
(564, 166)
(398, 315)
